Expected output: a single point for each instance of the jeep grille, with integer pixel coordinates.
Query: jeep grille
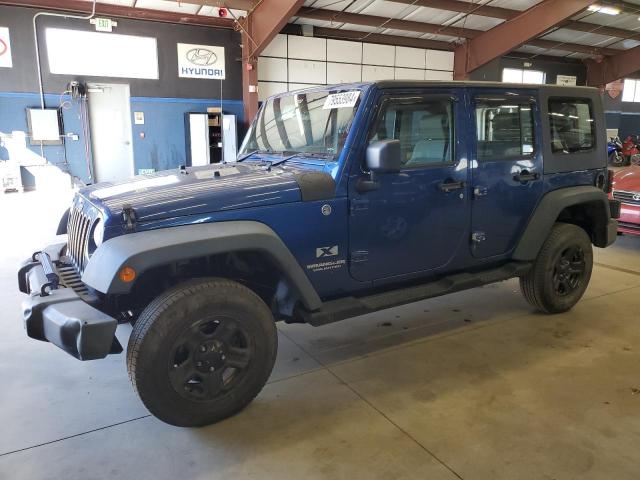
(78, 230)
(630, 198)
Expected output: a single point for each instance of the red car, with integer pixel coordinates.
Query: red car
(626, 188)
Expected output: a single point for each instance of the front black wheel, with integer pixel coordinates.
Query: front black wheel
(202, 351)
(561, 272)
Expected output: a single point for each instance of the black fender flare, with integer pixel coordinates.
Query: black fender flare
(548, 210)
(148, 249)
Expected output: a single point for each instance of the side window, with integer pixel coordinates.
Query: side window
(504, 128)
(572, 125)
(424, 128)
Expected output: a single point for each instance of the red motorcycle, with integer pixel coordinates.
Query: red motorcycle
(631, 150)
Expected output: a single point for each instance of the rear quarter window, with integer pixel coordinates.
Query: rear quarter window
(572, 125)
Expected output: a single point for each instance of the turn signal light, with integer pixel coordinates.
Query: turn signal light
(127, 274)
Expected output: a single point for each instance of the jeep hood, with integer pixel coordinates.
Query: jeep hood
(197, 190)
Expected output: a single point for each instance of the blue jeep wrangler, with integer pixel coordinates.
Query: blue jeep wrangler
(344, 200)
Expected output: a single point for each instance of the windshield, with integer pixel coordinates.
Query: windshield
(306, 123)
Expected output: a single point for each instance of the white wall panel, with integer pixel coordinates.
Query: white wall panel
(266, 89)
(298, 86)
(373, 54)
(272, 69)
(277, 47)
(409, 74)
(371, 73)
(410, 57)
(437, 75)
(306, 71)
(343, 72)
(307, 48)
(439, 60)
(344, 51)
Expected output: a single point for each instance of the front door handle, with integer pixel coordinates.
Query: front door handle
(449, 186)
(525, 176)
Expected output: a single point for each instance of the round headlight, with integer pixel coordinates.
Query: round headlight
(98, 233)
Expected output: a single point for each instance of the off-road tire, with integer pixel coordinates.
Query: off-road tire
(180, 312)
(538, 285)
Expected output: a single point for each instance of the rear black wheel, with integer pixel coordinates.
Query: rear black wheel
(561, 272)
(202, 351)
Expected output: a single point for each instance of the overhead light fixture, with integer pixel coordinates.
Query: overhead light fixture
(607, 10)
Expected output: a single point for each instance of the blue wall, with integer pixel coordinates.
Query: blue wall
(163, 145)
(69, 157)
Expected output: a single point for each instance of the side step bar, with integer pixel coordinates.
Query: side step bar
(347, 307)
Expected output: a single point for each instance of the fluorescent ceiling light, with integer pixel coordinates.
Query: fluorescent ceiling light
(607, 10)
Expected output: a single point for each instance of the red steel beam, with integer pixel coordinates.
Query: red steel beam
(77, 6)
(464, 7)
(335, 16)
(599, 73)
(513, 33)
(379, 38)
(260, 26)
(573, 47)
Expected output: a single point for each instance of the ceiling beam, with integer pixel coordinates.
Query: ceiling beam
(421, 27)
(508, 13)
(513, 33)
(336, 16)
(625, 7)
(78, 6)
(357, 36)
(464, 7)
(259, 27)
(613, 68)
(573, 47)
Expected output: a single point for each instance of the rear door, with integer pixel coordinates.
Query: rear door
(507, 169)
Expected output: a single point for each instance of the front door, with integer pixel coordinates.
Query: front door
(507, 171)
(110, 123)
(415, 220)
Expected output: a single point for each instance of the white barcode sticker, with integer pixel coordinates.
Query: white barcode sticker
(341, 100)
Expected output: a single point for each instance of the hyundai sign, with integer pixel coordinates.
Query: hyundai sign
(200, 61)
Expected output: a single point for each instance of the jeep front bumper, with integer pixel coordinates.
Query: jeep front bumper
(58, 314)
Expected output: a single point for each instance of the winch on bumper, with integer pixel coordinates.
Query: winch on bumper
(56, 313)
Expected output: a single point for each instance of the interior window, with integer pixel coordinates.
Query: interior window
(424, 128)
(572, 125)
(504, 128)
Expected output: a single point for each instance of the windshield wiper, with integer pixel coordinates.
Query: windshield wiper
(246, 155)
(273, 163)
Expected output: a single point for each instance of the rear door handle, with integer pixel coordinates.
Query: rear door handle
(449, 186)
(525, 176)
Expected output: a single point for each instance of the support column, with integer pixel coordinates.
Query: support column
(260, 26)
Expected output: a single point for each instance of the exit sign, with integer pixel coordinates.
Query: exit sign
(104, 24)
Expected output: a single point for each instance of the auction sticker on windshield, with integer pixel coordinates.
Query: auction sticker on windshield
(341, 100)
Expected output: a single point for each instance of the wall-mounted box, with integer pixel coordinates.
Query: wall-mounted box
(44, 126)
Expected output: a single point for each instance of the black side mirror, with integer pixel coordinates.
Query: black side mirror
(384, 156)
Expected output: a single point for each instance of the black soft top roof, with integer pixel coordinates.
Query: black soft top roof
(551, 89)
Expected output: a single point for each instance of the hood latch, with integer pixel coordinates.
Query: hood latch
(129, 217)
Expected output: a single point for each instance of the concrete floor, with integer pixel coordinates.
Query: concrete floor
(474, 385)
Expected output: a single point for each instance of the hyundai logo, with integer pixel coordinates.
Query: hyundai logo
(636, 197)
(201, 57)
